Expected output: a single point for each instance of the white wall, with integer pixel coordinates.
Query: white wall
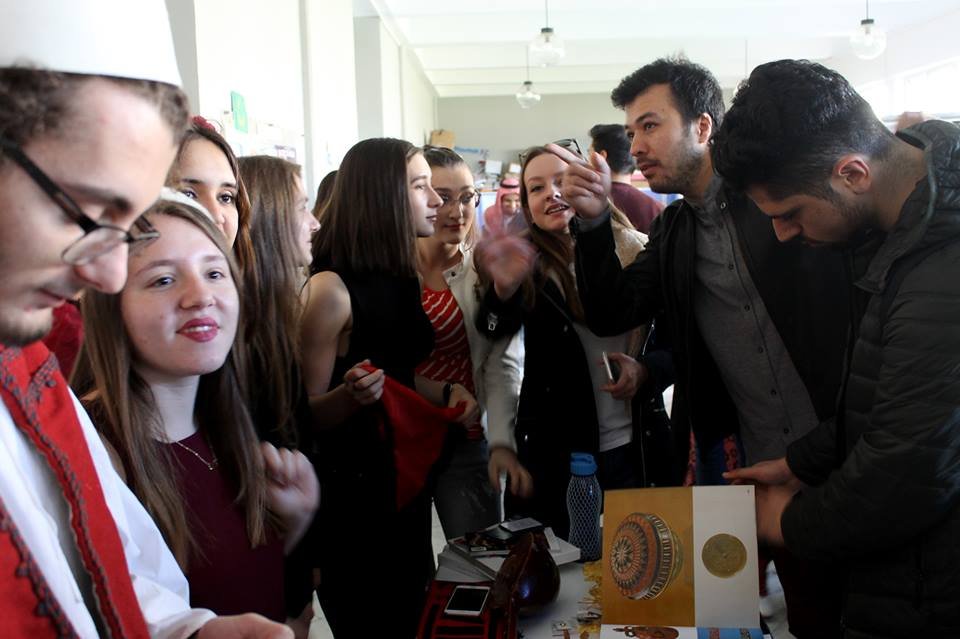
(183, 24)
(329, 89)
(391, 86)
(908, 51)
(499, 124)
(419, 100)
(394, 96)
(252, 48)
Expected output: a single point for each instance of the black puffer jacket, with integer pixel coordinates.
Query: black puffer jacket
(891, 510)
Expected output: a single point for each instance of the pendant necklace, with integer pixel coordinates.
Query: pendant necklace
(211, 465)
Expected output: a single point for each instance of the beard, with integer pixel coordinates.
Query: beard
(689, 161)
(23, 331)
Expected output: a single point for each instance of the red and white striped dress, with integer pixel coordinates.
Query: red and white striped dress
(450, 359)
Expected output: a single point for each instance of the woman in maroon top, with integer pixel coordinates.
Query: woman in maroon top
(168, 402)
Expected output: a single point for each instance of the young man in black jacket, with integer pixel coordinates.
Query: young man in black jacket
(884, 477)
(753, 355)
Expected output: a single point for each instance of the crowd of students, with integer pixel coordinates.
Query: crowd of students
(253, 370)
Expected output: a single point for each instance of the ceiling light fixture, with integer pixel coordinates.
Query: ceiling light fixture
(527, 97)
(869, 40)
(547, 48)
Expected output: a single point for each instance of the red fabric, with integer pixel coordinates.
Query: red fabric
(419, 430)
(40, 403)
(66, 336)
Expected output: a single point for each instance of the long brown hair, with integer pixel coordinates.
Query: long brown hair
(126, 414)
(556, 251)
(274, 337)
(201, 129)
(368, 226)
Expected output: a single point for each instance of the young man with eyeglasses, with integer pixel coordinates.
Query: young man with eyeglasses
(757, 328)
(86, 138)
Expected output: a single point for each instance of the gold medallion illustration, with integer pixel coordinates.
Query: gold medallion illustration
(724, 555)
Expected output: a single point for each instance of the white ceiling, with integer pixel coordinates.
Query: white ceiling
(478, 47)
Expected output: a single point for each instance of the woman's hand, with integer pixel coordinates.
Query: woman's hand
(365, 388)
(632, 376)
(508, 260)
(471, 410)
(504, 460)
(293, 491)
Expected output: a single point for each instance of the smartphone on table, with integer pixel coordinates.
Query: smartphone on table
(467, 601)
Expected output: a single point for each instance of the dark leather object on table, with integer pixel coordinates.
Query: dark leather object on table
(529, 578)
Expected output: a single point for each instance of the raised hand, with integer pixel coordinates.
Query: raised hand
(508, 260)
(586, 185)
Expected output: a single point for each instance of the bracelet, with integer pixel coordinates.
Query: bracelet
(447, 390)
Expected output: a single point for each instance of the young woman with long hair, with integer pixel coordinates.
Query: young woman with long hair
(281, 231)
(363, 307)
(466, 491)
(567, 403)
(168, 403)
(205, 169)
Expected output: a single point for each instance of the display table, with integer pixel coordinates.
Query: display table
(573, 589)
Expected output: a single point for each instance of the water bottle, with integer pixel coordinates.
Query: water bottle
(584, 501)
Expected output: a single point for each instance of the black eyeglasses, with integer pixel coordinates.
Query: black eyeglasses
(569, 144)
(97, 239)
(467, 200)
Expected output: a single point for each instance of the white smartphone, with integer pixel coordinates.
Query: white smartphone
(467, 601)
(607, 367)
(519, 525)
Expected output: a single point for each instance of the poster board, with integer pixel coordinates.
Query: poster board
(680, 557)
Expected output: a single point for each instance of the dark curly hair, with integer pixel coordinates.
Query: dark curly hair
(695, 90)
(612, 138)
(789, 123)
(36, 102)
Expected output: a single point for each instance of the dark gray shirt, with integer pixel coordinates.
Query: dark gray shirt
(772, 402)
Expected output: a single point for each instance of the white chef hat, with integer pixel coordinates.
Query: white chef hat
(122, 38)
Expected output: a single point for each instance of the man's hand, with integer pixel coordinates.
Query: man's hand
(632, 376)
(293, 492)
(586, 186)
(508, 260)
(774, 472)
(771, 502)
(248, 626)
(504, 460)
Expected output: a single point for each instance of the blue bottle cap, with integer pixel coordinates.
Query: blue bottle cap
(582, 464)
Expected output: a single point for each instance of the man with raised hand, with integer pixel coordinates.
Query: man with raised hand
(884, 477)
(753, 354)
(90, 118)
